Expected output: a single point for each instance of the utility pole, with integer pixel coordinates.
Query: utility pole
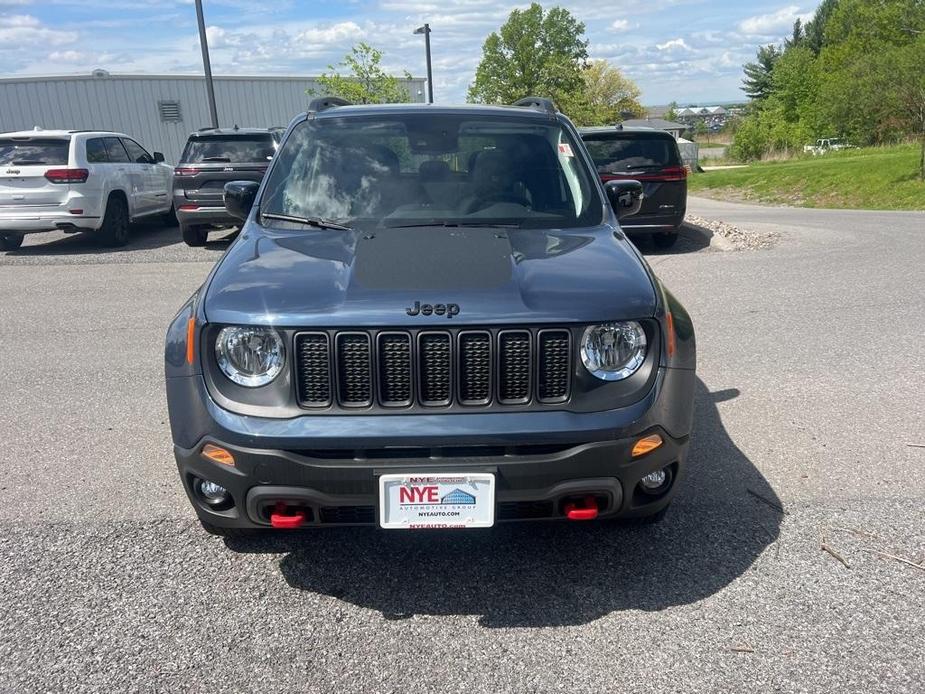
(430, 75)
(204, 44)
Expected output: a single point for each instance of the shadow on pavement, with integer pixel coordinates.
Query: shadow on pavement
(692, 238)
(554, 574)
(143, 236)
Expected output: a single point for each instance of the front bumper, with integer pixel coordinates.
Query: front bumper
(329, 466)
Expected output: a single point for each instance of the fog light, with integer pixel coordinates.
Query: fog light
(654, 480)
(212, 493)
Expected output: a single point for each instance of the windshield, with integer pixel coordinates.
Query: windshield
(33, 151)
(415, 170)
(234, 149)
(619, 153)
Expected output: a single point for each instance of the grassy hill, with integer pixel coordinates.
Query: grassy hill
(877, 178)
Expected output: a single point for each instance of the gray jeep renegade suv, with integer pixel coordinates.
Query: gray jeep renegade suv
(431, 318)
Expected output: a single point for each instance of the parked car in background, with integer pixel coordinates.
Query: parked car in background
(429, 322)
(651, 157)
(211, 158)
(78, 180)
(826, 144)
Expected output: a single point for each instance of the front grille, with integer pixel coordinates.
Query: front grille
(363, 515)
(465, 368)
(523, 510)
(354, 370)
(314, 366)
(435, 368)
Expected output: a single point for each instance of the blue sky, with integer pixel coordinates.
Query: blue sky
(684, 50)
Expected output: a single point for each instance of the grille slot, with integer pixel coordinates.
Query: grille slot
(554, 365)
(474, 368)
(314, 369)
(454, 368)
(395, 369)
(434, 368)
(514, 367)
(354, 370)
(348, 514)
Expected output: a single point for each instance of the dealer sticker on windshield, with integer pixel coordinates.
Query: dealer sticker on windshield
(437, 500)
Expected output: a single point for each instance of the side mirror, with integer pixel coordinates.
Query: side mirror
(625, 197)
(158, 157)
(239, 198)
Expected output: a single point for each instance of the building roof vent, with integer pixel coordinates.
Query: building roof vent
(170, 111)
(99, 72)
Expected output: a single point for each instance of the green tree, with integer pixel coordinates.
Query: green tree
(908, 83)
(365, 81)
(535, 53)
(609, 96)
(814, 30)
(757, 83)
(672, 112)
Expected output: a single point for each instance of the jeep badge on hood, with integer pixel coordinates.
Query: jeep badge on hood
(419, 309)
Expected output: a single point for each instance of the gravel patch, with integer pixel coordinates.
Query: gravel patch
(730, 237)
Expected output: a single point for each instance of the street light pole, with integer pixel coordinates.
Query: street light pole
(430, 75)
(207, 66)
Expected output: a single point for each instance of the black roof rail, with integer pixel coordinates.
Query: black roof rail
(539, 103)
(209, 127)
(323, 103)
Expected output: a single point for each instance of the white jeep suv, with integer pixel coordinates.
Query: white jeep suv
(78, 180)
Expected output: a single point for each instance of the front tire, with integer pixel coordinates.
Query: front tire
(195, 235)
(10, 242)
(114, 231)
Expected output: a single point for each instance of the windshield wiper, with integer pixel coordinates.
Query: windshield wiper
(450, 225)
(27, 162)
(221, 159)
(319, 222)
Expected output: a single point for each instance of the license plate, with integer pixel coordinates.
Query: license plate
(437, 500)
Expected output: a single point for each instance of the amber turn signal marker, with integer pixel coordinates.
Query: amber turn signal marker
(647, 444)
(217, 455)
(190, 339)
(671, 338)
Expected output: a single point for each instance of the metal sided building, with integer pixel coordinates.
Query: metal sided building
(160, 111)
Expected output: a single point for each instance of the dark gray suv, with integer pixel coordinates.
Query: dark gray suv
(211, 158)
(431, 319)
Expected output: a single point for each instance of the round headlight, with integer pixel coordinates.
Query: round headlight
(250, 356)
(613, 351)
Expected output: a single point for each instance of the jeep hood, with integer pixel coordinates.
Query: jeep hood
(313, 277)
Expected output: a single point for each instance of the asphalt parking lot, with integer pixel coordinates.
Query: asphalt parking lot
(792, 560)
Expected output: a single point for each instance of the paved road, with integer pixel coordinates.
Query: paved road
(812, 389)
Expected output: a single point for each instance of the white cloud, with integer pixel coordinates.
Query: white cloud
(11, 3)
(20, 30)
(679, 43)
(620, 25)
(774, 23)
(334, 33)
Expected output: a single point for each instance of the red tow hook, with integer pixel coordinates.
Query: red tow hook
(586, 512)
(284, 518)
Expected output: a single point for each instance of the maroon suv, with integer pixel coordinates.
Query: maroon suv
(651, 157)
